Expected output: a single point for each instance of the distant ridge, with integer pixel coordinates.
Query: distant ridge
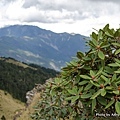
(32, 44)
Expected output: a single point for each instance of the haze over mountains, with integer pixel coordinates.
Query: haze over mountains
(32, 44)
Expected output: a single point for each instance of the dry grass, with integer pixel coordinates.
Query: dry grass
(9, 106)
(29, 110)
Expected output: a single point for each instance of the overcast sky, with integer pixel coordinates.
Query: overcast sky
(72, 16)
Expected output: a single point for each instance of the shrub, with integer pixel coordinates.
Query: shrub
(89, 87)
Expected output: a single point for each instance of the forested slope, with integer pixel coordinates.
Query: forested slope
(17, 79)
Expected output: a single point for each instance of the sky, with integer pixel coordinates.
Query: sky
(72, 16)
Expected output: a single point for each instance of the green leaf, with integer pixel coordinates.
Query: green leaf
(117, 64)
(116, 44)
(74, 98)
(65, 83)
(52, 92)
(74, 63)
(54, 86)
(96, 94)
(83, 82)
(86, 58)
(118, 82)
(100, 71)
(69, 98)
(86, 95)
(118, 71)
(92, 73)
(51, 112)
(103, 92)
(93, 51)
(108, 69)
(113, 65)
(100, 35)
(94, 42)
(105, 74)
(117, 33)
(102, 100)
(118, 61)
(93, 104)
(105, 46)
(110, 103)
(80, 55)
(88, 86)
(73, 91)
(107, 82)
(117, 107)
(114, 84)
(94, 83)
(68, 64)
(116, 92)
(106, 27)
(64, 111)
(104, 78)
(94, 36)
(85, 77)
(117, 51)
(101, 55)
(109, 88)
(80, 89)
(57, 81)
(109, 33)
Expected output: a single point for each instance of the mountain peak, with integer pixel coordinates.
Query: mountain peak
(22, 30)
(32, 44)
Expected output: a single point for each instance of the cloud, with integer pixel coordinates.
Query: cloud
(114, 1)
(60, 15)
(52, 11)
(70, 10)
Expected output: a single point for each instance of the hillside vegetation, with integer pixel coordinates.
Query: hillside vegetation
(17, 78)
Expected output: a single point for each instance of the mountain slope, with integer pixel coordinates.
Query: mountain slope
(17, 78)
(12, 109)
(9, 106)
(32, 44)
(26, 115)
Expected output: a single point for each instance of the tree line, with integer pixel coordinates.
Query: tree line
(17, 80)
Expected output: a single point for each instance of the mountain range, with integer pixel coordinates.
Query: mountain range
(31, 44)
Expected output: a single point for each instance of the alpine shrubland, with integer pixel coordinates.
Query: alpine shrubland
(88, 88)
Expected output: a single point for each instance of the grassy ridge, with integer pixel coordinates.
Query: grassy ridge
(15, 62)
